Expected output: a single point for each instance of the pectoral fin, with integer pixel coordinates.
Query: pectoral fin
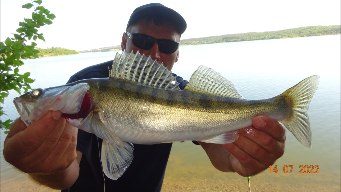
(116, 155)
(116, 158)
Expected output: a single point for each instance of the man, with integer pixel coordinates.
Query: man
(58, 155)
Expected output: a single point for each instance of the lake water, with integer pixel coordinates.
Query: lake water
(258, 69)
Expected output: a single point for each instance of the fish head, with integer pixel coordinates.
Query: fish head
(68, 99)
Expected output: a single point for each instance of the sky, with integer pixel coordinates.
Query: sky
(84, 24)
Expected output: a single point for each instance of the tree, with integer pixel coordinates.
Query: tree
(16, 48)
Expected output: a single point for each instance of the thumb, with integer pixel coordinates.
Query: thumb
(16, 127)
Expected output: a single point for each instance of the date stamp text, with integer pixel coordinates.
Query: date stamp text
(289, 168)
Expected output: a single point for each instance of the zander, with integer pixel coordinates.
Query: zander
(141, 103)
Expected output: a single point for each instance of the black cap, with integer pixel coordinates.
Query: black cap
(154, 9)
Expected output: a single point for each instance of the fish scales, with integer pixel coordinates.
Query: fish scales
(163, 116)
(141, 103)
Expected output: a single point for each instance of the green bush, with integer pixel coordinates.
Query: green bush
(12, 50)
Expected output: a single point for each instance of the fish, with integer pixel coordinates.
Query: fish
(141, 103)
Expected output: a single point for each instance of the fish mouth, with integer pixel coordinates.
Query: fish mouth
(18, 106)
(23, 109)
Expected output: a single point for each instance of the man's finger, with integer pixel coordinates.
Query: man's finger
(250, 144)
(66, 147)
(269, 126)
(39, 154)
(16, 127)
(243, 163)
(33, 136)
(42, 128)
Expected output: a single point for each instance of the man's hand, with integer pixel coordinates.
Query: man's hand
(45, 149)
(257, 147)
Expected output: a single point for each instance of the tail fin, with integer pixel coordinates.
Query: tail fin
(299, 96)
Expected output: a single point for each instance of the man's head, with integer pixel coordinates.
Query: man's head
(154, 23)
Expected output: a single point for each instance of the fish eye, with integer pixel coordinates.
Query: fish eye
(35, 93)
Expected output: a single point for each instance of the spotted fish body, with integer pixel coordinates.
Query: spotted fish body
(145, 115)
(141, 103)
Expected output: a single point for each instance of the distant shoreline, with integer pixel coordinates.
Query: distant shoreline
(258, 40)
(55, 51)
(250, 36)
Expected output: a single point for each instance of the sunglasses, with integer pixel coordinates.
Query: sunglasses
(147, 42)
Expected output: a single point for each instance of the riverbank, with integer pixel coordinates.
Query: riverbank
(181, 177)
(24, 184)
(201, 178)
(233, 182)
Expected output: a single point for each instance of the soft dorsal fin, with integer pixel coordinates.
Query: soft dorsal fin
(142, 70)
(206, 81)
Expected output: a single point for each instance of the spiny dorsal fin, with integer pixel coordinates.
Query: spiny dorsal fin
(206, 81)
(142, 70)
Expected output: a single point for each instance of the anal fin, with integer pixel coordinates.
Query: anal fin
(224, 138)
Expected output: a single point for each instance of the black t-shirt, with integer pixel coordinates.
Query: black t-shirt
(147, 169)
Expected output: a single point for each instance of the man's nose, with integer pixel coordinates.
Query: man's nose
(155, 53)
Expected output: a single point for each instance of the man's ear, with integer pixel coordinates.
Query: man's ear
(177, 56)
(124, 42)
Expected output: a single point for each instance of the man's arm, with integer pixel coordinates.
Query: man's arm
(46, 150)
(257, 147)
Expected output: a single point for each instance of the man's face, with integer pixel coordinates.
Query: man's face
(163, 32)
